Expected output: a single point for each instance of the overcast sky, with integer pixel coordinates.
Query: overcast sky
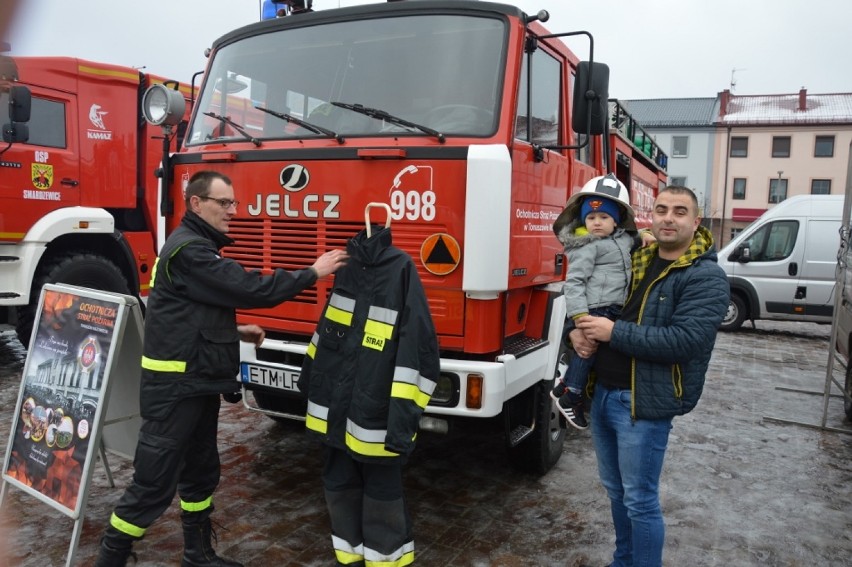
(655, 48)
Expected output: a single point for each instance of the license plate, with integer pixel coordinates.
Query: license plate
(281, 378)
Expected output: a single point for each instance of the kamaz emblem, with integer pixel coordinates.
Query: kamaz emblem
(294, 178)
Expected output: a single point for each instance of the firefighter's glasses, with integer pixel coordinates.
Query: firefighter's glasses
(224, 203)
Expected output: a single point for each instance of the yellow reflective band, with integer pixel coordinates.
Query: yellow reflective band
(379, 329)
(410, 392)
(406, 559)
(345, 558)
(316, 424)
(163, 365)
(373, 342)
(312, 350)
(196, 506)
(406, 375)
(154, 271)
(332, 313)
(368, 449)
(126, 527)
(347, 554)
(402, 556)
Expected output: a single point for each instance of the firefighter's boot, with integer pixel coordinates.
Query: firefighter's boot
(115, 549)
(197, 548)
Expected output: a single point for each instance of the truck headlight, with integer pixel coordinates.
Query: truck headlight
(163, 106)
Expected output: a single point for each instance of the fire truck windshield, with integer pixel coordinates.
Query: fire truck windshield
(419, 75)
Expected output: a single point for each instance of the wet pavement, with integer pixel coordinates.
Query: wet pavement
(738, 489)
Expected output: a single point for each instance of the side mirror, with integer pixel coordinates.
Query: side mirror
(20, 104)
(743, 254)
(591, 98)
(15, 132)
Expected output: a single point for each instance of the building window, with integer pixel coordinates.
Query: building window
(680, 146)
(739, 188)
(735, 232)
(739, 146)
(679, 181)
(824, 146)
(777, 190)
(821, 187)
(780, 146)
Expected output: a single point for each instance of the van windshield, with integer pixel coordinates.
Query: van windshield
(421, 73)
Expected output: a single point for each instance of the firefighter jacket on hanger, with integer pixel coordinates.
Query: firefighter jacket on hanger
(373, 362)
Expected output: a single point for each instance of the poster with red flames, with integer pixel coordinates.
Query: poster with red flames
(62, 395)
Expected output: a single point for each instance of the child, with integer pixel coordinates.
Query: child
(598, 231)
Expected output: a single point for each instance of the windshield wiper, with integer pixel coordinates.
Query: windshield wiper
(236, 126)
(307, 125)
(382, 115)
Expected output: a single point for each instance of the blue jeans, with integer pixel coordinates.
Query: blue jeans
(578, 367)
(630, 460)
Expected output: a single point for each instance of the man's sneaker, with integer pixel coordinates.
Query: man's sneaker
(570, 405)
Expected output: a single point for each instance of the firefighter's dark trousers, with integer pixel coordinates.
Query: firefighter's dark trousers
(178, 453)
(369, 521)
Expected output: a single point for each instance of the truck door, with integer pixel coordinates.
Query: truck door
(539, 186)
(814, 293)
(41, 175)
(775, 254)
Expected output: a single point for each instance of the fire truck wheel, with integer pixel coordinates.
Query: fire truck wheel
(543, 447)
(79, 268)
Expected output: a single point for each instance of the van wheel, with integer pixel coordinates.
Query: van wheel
(78, 268)
(735, 315)
(847, 405)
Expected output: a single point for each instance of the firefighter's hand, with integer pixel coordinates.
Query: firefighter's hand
(596, 328)
(330, 262)
(251, 334)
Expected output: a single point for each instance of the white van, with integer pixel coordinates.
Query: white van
(782, 266)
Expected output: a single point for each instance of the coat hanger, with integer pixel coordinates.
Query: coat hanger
(367, 215)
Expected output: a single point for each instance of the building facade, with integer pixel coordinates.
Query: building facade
(685, 128)
(771, 147)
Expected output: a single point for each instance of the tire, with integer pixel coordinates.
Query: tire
(735, 315)
(79, 268)
(847, 405)
(541, 450)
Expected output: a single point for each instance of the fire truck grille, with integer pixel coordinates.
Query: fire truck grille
(294, 244)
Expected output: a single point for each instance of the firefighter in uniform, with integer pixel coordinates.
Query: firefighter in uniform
(190, 357)
(370, 370)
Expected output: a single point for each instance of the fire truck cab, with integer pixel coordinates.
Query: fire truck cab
(78, 195)
(473, 123)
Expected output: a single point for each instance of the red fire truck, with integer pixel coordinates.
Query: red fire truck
(472, 123)
(78, 195)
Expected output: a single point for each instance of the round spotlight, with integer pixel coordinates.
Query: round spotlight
(163, 106)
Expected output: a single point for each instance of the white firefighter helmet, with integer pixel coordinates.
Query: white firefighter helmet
(606, 186)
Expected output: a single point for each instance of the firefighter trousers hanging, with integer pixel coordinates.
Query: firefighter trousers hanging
(369, 521)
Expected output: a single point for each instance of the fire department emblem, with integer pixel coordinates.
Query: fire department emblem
(89, 352)
(42, 175)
